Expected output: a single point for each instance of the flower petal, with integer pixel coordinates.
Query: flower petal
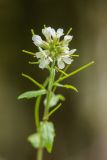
(53, 33)
(60, 32)
(38, 54)
(60, 63)
(44, 62)
(48, 32)
(72, 51)
(67, 60)
(37, 40)
(68, 38)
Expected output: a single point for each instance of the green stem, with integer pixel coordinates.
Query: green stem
(40, 154)
(37, 121)
(37, 112)
(50, 85)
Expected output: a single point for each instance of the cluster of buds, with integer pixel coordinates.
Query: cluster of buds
(55, 48)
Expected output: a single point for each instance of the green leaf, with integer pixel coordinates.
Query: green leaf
(67, 86)
(61, 71)
(32, 94)
(33, 80)
(47, 134)
(34, 139)
(52, 111)
(75, 72)
(70, 87)
(54, 99)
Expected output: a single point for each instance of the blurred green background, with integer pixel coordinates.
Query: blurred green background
(81, 124)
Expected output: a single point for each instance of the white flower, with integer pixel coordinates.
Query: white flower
(62, 60)
(72, 51)
(53, 49)
(60, 63)
(60, 32)
(48, 32)
(68, 38)
(37, 40)
(43, 57)
(67, 60)
(43, 63)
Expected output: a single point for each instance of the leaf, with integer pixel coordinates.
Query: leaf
(47, 134)
(34, 139)
(67, 86)
(70, 87)
(33, 80)
(54, 99)
(75, 72)
(53, 110)
(61, 71)
(32, 94)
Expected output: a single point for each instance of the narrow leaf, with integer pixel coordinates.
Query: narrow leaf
(33, 80)
(54, 110)
(70, 87)
(75, 72)
(67, 86)
(61, 71)
(32, 94)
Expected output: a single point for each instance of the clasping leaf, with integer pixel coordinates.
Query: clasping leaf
(34, 139)
(54, 99)
(47, 135)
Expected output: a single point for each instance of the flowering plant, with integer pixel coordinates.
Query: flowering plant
(53, 53)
